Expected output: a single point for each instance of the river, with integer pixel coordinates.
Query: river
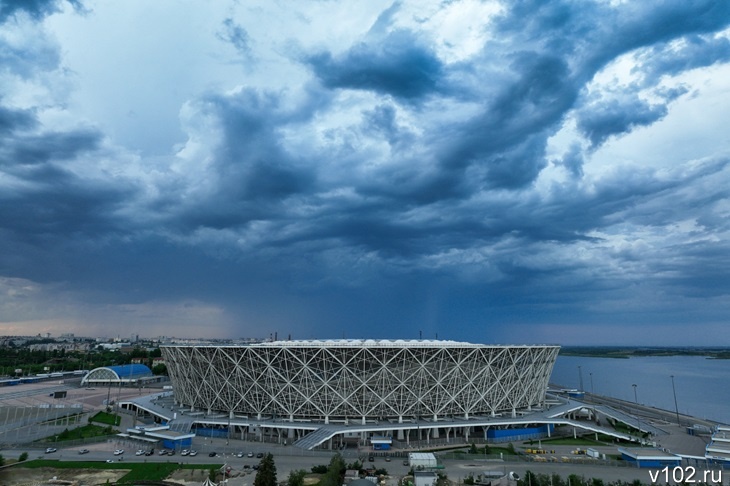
(702, 385)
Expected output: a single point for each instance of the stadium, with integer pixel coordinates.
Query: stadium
(360, 379)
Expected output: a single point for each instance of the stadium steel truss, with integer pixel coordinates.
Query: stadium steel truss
(360, 379)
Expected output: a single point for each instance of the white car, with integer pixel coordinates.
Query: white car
(119, 452)
(50, 450)
(193, 453)
(184, 452)
(139, 452)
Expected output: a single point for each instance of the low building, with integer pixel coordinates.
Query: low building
(650, 457)
(422, 460)
(123, 375)
(718, 450)
(425, 478)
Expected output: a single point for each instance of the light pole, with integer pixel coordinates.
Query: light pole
(638, 424)
(580, 378)
(591, 376)
(676, 408)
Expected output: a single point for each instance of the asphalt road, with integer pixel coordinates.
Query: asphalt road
(287, 461)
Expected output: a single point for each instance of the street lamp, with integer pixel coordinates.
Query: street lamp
(638, 424)
(591, 375)
(674, 391)
(580, 378)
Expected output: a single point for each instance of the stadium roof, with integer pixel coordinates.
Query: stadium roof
(375, 343)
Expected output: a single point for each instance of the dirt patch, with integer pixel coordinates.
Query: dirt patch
(188, 477)
(43, 476)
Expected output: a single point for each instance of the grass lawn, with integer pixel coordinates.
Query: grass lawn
(106, 418)
(562, 441)
(84, 432)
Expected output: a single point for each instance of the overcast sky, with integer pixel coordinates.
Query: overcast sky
(497, 172)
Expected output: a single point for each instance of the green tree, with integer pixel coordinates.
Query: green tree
(335, 472)
(23, 457)
(357, 465)
(159, 369)
(212, 474)
(528, 479)
(576, 480)
(557, 480)
(473, 449)
(511, 448)
(296, 477)
(266, 475)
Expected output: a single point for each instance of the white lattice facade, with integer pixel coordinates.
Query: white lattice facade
(360, 379)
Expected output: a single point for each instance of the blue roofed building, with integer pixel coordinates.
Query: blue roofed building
(124, 375)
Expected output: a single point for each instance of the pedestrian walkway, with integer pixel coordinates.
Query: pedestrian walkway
(319, 436)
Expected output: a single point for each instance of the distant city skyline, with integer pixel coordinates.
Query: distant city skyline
(484, 171)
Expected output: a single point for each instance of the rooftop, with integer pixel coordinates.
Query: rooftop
(375, 343)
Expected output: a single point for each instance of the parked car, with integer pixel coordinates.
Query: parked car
(139, 452)
(387, 458)
(84, 451)
(149, 453)
(371, 459)
(119, 452)
(250, 454)
(50, 450)
(212, 454)
(110, 460)
(163, 452)
(405, 463)
(240, 454)
(260, 455)
(184, 452)
(193, 453)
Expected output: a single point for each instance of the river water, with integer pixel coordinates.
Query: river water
(702, 385)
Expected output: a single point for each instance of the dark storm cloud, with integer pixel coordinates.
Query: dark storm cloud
(425, 205)
(37, 149)
(12, 120)
(396, 65)
(253, 173)
(49, 200)
(60, 204)
(381, 122)
(692, 52)
(501, 148)
(573, 161)
(237, 36)
(35, 8)
(604, 118)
